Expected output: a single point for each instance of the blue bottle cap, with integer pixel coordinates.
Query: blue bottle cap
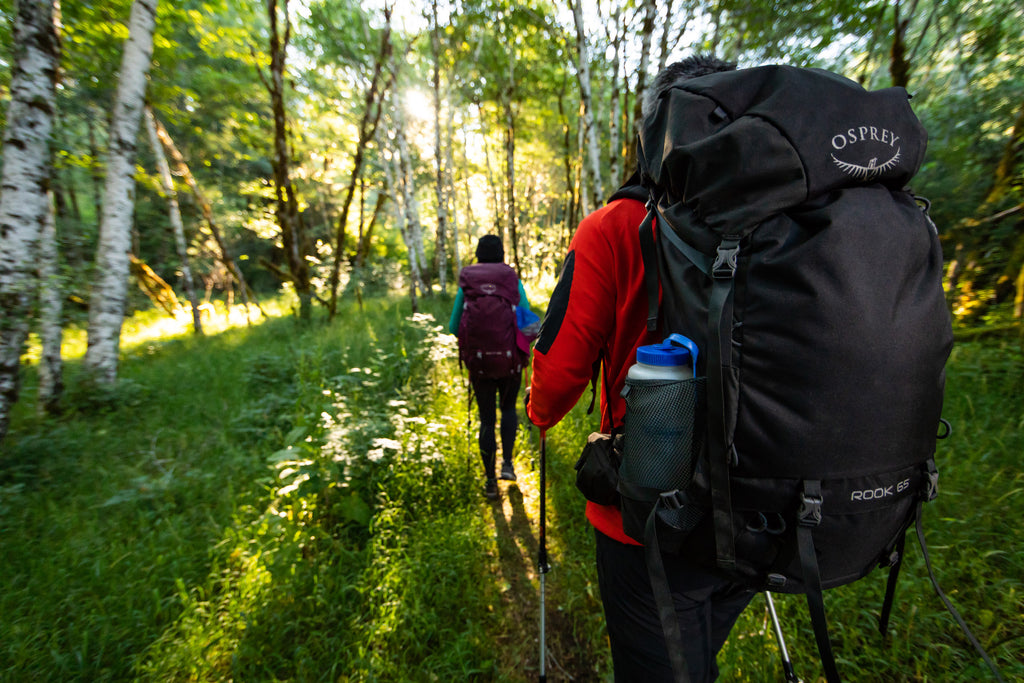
(664, 355)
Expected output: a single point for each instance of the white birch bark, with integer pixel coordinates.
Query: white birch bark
(590, 131)
(615, 106)
(110, 285)
(51, 366)
(584, 186)
(412, 231)
(24, 181)
(174, 213)
(451, 192)
(512, 213)
(439, 186)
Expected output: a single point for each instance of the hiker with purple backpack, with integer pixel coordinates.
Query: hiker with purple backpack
(487, 306)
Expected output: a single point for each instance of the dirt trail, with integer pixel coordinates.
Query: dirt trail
(516, 517)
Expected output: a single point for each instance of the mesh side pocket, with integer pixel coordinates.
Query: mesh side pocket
(664, 433)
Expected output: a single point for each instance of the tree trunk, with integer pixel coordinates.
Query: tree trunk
(223, 254)
(492, 184)
(452, 192)
(440, 247)
(590, 133)
(293, 233)
(109, 290)
(27, 166)
(510, 156)
(51, 366)
(665, 31)
(367, 130)
(175, 217)
(570, 176)
(899, 67)
(412, 232)
(650, 14)
(615, 104)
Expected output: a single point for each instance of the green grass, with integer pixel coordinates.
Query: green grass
(288, 503)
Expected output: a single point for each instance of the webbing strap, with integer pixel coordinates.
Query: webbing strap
(649, 254)
(663, 599)
(890, 586)
(719, 364)
(949, 606)
(809, 517)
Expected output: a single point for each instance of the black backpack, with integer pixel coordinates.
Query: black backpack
(789, 248)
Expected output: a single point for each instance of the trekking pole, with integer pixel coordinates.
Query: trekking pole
(542, 553)
(469, 426)
(787, 665)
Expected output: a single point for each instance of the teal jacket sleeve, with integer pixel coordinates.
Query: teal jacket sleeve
(460, 300)
(523, 301)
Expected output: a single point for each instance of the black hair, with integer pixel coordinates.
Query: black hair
(693, 66)
(490, 250)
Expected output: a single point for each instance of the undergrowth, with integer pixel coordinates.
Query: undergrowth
(303, 503)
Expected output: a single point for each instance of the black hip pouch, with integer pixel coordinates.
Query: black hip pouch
(597, 470)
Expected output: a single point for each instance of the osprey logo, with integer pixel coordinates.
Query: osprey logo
(489, 288)
(862, 148)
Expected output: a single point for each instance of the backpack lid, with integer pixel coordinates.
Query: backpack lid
(736, 147)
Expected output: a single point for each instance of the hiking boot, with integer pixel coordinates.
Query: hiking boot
(491, 489)
(507, 473)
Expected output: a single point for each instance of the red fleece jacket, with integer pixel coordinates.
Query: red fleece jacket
(602, 305)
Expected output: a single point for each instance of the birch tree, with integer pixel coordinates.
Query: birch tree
(51, 366)
(407, 209)
(182, 169)
(590, 133)
(174, 212)
(110, 285)
(380, 83)
(616, 36)
(650, 13)
(439, 184)
(24, 182)
(508, 104)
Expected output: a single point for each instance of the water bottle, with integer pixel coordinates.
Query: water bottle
(660, 440)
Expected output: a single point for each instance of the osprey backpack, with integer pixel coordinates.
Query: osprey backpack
(487, 329)
(789, 248)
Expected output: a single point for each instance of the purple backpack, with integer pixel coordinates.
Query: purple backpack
(487, 329)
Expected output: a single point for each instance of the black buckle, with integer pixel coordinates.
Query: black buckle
(672, 500)
(810, 510)
(724, 267)
(932, 485)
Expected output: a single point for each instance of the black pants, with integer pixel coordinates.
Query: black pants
(504, 390)
(707, 608)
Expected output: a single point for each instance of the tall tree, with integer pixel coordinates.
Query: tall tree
(380, 83)
(294, 238)
(24, 204)
(182, 169)
(650, 11)
(588, 126)
(174, 212)
(109, 289)
(440, 251)
(51, 364)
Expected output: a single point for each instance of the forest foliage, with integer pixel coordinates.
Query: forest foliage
(485, 95)
(273, 484)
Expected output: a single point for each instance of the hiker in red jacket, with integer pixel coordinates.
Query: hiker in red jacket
(597, 314)
(484, 319)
